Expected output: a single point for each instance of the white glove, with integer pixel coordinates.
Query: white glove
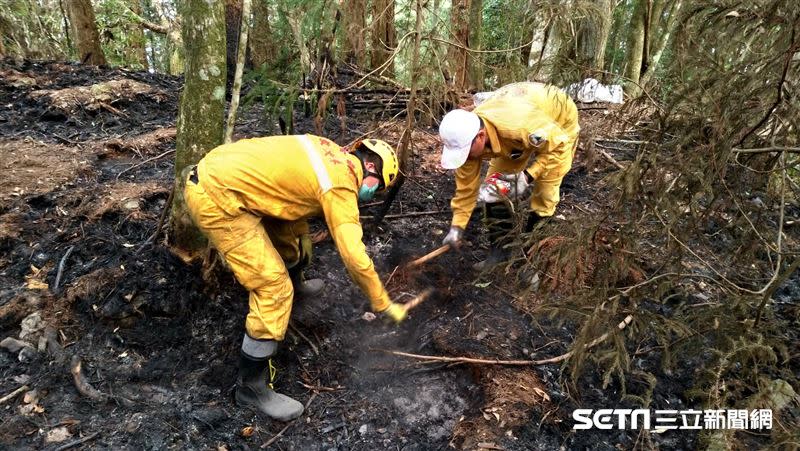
(493, 189)
(519, 183)
(453, 237)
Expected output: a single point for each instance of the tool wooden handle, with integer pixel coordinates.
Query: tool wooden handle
(418, 300)
(430, 256)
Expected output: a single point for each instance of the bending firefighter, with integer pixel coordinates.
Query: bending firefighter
(251, 199)
(520, 122)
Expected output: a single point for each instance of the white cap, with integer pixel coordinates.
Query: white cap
(457, 130)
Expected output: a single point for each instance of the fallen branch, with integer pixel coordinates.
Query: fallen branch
(430, 256)
(80, 441)
(409, 215)
(608, 157)
(624, 323)
(162, 155)
(768, 150)
(13, 394)
(318, 388)
(311, 343)
(167, 207)
(82, 384)
(61, 268)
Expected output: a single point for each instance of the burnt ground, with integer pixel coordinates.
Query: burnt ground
(86, 175)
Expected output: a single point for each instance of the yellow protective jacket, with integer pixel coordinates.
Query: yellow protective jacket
(293, 178)
(515, 118)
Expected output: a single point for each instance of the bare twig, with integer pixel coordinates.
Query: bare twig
(779, 98)
(429, 256)
(391, 275)
(80, 441)
(318, 388)
(311, 343)
(768, 149)
(624, 323)
(167, 207)
(61, 265)
(13, 394)
(162, 155)
(409, 215)
(609, 158)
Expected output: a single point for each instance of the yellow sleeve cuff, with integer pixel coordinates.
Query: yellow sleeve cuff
(381, 303)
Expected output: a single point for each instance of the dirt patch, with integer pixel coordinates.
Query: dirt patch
(104, 95)
(33, 167)
(510, 397)
(123, 198)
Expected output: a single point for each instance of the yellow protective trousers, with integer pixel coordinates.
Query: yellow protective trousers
(256, 255)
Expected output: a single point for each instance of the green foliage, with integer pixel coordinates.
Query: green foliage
(33, 29)
(118, 33)
(702, 220)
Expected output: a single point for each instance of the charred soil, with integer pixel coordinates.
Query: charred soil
(87, 173)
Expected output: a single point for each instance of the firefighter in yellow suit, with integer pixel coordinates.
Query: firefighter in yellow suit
(251, 199)
(529, 133)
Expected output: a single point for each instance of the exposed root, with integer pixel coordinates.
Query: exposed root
(82, 384)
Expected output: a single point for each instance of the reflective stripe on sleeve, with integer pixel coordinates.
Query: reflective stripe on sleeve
(319, 166)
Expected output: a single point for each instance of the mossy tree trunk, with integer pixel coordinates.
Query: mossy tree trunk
(475, 28)
(262, 46)
(233, 25)
(669, 23)
(384, 36)
(202, 106)
(354, 16)
(136, 44)
(635, 48)
(84, 31)
(459, 54)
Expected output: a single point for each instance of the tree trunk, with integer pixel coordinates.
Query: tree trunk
(383, 37)
(237, 78)
(297, 32)
(661, 43)
(202, 105)
(543, 49)
(603, 31)
(475, 27)
(354, 15)
(262, 47)
(635, 48)
(233, 24)
(135, 49)
(404, 148)
(84, 30)
(459, 56)
(174, 46)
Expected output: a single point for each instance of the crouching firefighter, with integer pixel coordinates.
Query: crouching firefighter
(251, 199)
(529, 133)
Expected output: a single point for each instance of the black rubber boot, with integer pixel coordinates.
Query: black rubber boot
(499, 221)
(304, 288)
(253, 389)
(533, 220)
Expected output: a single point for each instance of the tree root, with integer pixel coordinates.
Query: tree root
(82, 384)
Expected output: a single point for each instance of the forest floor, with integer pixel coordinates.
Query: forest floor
(86, 173)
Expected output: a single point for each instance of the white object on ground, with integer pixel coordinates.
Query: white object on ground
(591, 90)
